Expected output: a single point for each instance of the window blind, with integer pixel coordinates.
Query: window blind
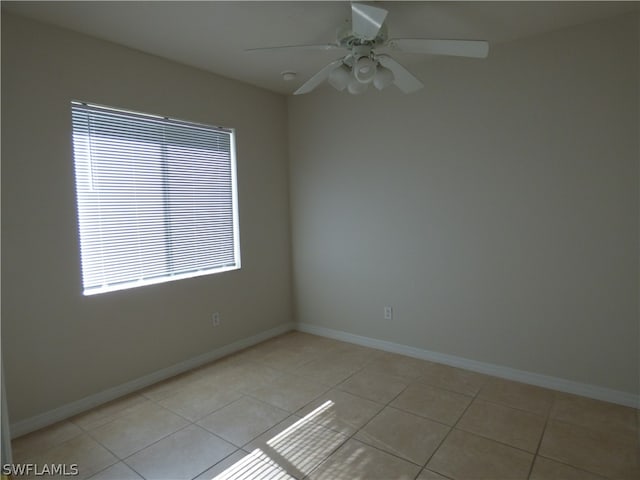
(156, 198)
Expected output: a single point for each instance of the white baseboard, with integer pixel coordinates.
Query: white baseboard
(65, 411)
(546, 381)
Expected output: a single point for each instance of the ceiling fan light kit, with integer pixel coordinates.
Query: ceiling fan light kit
(364, 70)
(383, 78)
(356, 87)
(364, 64)
(340, 77)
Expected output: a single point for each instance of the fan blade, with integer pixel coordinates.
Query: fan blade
(327, 46)
(458, 48)
(318, 78)
(366, 21)
(403, 79)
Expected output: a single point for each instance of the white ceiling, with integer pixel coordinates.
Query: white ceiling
(213, 35)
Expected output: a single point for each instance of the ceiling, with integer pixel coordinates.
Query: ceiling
(213, 35)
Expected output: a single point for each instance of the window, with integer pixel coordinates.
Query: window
(157, 198)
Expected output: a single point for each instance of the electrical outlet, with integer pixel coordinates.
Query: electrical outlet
(215, 318)
(388, 313)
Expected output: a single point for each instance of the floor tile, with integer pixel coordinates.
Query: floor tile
(590, 450)
(358, 461)
(28, 446)
(254, 353)
(138, 429)
(289, 392)
(429, 475)
(221, 366)
(320, 347)
(432, 402)
(328, 371)
(286, 359)
(399, 409)
(180, 456)
(346, 414)
(378, 387)
(254, 376)
(255, 465)
(545, 469)
(199, 400)
(118, 471)
(243, 420)
(338, 346)
(398, 365)
(89, 456)
(223, 465)
(168, 387)
(517, 428)
(299, 447)
(242, 376)
(295, 339)
(403, 434)
(107, 412)
(220, 372)
(261, 440)
(465, 456)
(596, 415)
(451, 378)
(357, 356)
(517, 395)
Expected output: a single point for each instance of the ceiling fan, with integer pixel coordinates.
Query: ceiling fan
(364, 65)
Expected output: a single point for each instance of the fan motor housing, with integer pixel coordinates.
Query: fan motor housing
(347, 39)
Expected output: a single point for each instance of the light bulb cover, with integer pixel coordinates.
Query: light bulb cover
(364, 69)
(356, 87)
(383, 78)
(340, 77)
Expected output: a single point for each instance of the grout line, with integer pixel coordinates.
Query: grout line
(473, 399)
(581, 469)
(447, 435)
(519, 409)
(90, 435)
(33, 455)
(123, 459)
(356, 430)
(363, 426)
(433, 420)
(544, 431)
(424, 469)
(425, 383)
(211, 466)
(475, 434)
(133, 469)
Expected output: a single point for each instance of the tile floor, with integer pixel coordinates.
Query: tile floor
(306, 407)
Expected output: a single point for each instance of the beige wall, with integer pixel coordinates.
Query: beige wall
(496, 210)
(59, 346)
